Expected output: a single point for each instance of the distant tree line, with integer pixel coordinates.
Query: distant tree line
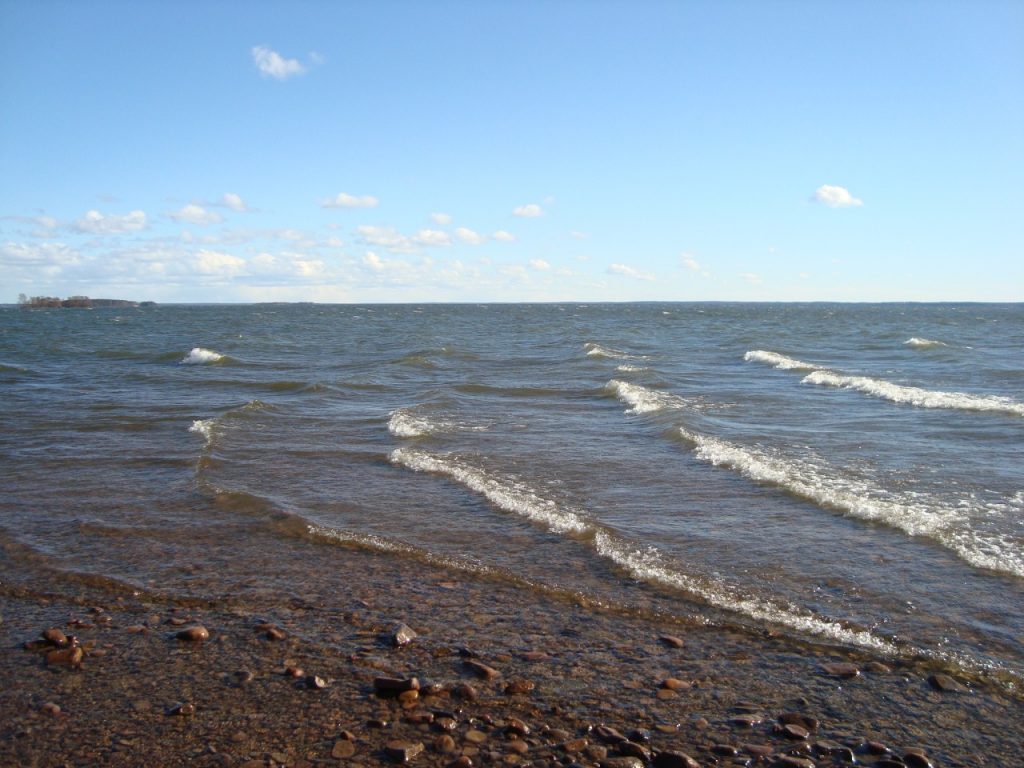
(84, 302)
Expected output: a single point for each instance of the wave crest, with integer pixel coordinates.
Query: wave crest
(201, 356)
(919, 343)
(643, 399)
(776, 360)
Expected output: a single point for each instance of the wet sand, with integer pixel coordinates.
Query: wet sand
(301, 634)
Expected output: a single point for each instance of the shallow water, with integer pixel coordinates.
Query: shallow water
(849, 474)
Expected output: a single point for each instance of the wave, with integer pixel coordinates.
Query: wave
(626, 368)
(923, 398)
(596, 350)
(643, 399)
(201, 356)
(204, 427)
(827, 488)
(513, 495)
(918, 343)
(776, 360)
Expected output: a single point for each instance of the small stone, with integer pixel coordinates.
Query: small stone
(608, 734)
(474, 736)
(758, 750)
(409, 696)
(444, 744)
(446, 724)
(403, 751)
(465, 691)
(622, 762)
(420, 718)
(675, 684)
(877, 668)
(520, 747)
(534, 656)
(632, 749)
(314, 682)
(275, 634)
(68, 657)
(795, 732)
(462, 761)
(517, 726)
(674, 760)
(49, 708)
(664, 694)
(917, 760)
(877, 748)
(295, 672)
(55, 637)
(745, 721)
(519, 687)
(136, 629)
(194, 634)
(343, 748)
(402, 635)
(573, 746)
(392, 686)
(672, 641)
(845, 671)
(724, 750)
(947, 684)
(791, 761)
(481, 670)
(244, 676)
(185, 709)
(798, 718)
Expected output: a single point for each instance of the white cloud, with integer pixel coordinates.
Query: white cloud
(623, 269)
(216, 263)
(689, 262)
(235, 202)
(345, 200)
(196, 214)
(272, 64)
(540, 265)
(52, 254)
(530, 211)
(469, 236)
(96, 223)
(441, 218)
(503, 236)
(431, 237)
(373, 261)
(751, 278)
(835, 197)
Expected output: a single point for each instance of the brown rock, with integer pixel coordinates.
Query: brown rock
(420, 718)
(839, 669)
(791, 761)
(316, 683)
(674, 760)
(474, 736)
(608, 734)
(534, 656)
(343, 748)
(672, 641)
(798, 718)
(67, 657)
(49, 708)
(444, 744)
(275, 634)
(795, 732)
(185, 709)
(55, 637)
(947, 684)
(632, 749)
(446, 724)
(463, 761)
(877, 668)
(519, 687)
(675, 684)
(517, 727)
(294, 672)
(465, 691)
(622, 762)
(574, 746)
(136, 629)
(194, 634)
(917, 760)
(724, 750)
(520, 747)
(745, 721)
(758, 750)
(392, 686)
(409, 696)
(403, 751)
(481, 670)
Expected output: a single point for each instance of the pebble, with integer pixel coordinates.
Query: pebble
(632, 749)
(444, 744)
(343, 748)
(746, 721)
(465, 691)
(795, 732)
(294, 671)
(185, 709)
(573, 746)
(403, 751)
(792, 761)
(136, 629)
(517, 727)
(947, 684)
(917, 760)
(798, 718)
(608, 734)
(839, 669)
(402, 635)
(672, 641)
(195, 633)
(877, 668)
(49, 708)
(445, 724)
(314, 682)
(463, 761)
(724, 750)
(675, 684)
(534, 656)
(474, 736)
(519, 687)
(622, 762)
(481, 670)
(55, 637)
(69, 657)
(674, 760)
(385, 686)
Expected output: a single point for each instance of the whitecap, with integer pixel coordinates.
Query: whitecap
(596, 350)
(776, 360)
(200, 356)
(643, 399)
(203, 427)
(626, 368)
(923, 398)
(918, 343)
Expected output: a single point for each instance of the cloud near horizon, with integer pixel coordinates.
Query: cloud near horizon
(96, 223)
(628, 271)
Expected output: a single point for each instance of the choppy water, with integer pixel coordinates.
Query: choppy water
(851, 474)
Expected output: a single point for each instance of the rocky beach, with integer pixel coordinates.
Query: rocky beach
(263, 653)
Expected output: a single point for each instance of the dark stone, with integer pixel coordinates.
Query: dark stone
(792, 761)
(481, 670)
(314, 682)
(403, 751)
(916, 760)
(672, 641)
(632, 749)
(444, 744)
(839, 669)
(674, 760)
(55, 637)
(392, 686)
(798, 718)
(194, 634)
(66, 657)
(947, 684)
(185, 709)
(608, 734)
(795, 732)
(519, 687)
(724, 750)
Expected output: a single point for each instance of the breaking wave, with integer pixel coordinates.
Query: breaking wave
(826, 487)
(776, 360)
(200, 356)
(918, 343)
(923, 398)
(596, 350)
(643, 399)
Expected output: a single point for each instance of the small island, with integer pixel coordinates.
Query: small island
(76, 302)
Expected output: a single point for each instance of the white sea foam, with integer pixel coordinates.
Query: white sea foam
(826, 487)
(203, 427)
(776, 360)
(626, 368)
(506, 493)
(200, 356)
(596, 350)
(643, 399)
(405, 423)
(918, 343)
(923, 398)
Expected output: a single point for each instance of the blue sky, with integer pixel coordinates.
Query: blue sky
(512, 151)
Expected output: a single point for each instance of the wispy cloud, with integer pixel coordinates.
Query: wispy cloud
(345, 200)
(835, 197)
(234, 202)
(504, 237)
(271, 64)
(195, 214)
(469, 236)
(751, 278)
(628, 271)
(529, 211)
(540, 265)
(441, 218)
(693, 265)
(431, 237)
(97, 223)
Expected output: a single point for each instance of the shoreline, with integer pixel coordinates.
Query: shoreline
(487, 657)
